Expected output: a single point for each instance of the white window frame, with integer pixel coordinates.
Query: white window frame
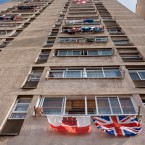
(84, 73)
(17, 112)
(85, 98)
(118, 98)
(41, 101)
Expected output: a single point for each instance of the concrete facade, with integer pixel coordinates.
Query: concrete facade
(140, 8)
(18, 59)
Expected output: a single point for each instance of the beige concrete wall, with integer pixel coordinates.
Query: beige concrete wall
(18, 57)
(140, 8)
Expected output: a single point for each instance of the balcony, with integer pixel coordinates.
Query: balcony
(82, 29)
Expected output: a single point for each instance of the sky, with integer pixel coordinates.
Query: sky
(130, 4)
(3, 1)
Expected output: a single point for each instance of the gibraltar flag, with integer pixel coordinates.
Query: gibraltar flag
(74, 125)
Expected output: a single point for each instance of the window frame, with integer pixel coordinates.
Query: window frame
(137, 72)
(84, 73)
(86, 98)
(19, 112)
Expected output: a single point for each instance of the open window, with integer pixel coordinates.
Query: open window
(75, 106)
(88, 105)
(50, 41)
(115, 31)
(43, 56)
(33, 78)
(121, 41)
(16, 118)
(142, 96)
(130, 54)
(111, 24)
(137, 74)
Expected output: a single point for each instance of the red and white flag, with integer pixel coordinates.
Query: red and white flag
(74, 125)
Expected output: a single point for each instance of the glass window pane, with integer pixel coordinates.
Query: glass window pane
(112, 73)
(76, 52)
(92, 52)
(142, 75)
(115, 105)
(18, 115)
(62, 52)
(21, 107)
(127, 106)
(134, 76)
(52, 105)
(75, 107)
(105, 52)
(94, 74)
(56, 74)
(73, 74)
(103, 106)
(69, 53)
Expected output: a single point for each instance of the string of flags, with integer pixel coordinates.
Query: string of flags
(112, 125)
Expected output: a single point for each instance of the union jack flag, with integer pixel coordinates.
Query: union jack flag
(118, 125)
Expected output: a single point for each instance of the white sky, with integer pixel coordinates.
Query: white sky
(130, 4)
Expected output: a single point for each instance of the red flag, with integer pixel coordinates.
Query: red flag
(74, 125)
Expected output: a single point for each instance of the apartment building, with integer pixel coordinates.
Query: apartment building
(69, 58)
(140, 8)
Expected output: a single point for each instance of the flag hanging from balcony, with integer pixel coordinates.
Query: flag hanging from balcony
(74, 125)
(118, 125)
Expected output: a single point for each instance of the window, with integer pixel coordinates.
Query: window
(142, 96)
(137, 74)
(20, 109)
(69, 52)
(85, 52)
(101, 39)
(88, 105)
(130, 54)
(115, 105)
(115, 31)
(52, 105)
(86, 73)
(102, 52)
(68, 39)
(43, 56)
(121, 41)
(16, 118)
(75, 106)
(50, 41)
(33, 78)
(110, 24)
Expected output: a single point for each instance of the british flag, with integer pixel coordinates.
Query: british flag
(118, 125)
